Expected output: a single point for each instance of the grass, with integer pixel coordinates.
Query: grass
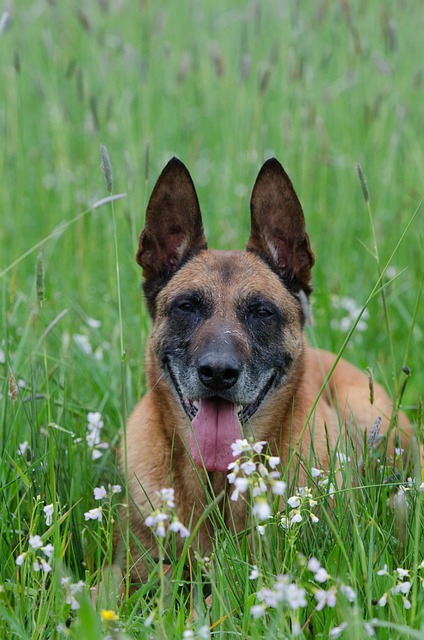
(323, 86)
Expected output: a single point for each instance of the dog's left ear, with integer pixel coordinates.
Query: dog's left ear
(278, 232)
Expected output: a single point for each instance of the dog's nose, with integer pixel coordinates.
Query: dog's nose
(218, 372)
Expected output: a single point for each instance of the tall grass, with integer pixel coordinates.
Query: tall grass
(323, 86)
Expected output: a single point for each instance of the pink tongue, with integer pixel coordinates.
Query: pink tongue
(215, 428)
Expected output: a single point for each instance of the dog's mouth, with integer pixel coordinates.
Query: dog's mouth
(216, 424)
(244, 412)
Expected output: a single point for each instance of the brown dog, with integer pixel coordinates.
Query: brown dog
(227, 355)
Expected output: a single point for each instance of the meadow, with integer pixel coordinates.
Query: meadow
(323, 86)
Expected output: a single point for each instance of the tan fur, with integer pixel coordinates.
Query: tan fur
(158, 432)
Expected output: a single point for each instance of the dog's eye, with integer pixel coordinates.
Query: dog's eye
(262, 313)
(187, 307)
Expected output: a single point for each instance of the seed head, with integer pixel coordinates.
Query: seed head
(363, 181)
(39, 277)
(106, 167)
(374, 437)
(13, 387)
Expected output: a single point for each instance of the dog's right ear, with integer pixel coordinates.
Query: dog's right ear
(173, 230)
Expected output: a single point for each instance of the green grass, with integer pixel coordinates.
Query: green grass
(323, 86)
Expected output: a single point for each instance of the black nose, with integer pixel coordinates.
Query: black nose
(218, 371)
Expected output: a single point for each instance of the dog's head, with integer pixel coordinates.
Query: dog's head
(228, 325)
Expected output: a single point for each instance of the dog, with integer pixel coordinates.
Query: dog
(227, 357)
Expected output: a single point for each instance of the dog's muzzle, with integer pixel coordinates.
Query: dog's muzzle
(216, 421)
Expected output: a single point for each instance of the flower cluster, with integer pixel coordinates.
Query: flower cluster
(284, 591)
(100, 493)
(256, 471)
(348, 310)
(71, 590)
(84, 344)
(402, 584)
(301, 505)
(163, 515)
(39, 562)
(94, 428)
(201, 634)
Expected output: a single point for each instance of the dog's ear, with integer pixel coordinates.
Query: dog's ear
(173, 230)
(278, 232)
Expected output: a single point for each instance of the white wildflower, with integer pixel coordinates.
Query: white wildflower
(235, 495)
(241, 484)
(273, 461)
(261, 509)
(254, 574)
(94, 514)
(348, 592)
(167, 496)
(369, 629)
(321, 575)
(336, 632)
(259, 489)
(263, 471)
(314, 564)
(402, 587)
(258, 446)
(20, 559)
(325, 598)
(294, 501)
(49, 510)
(35, 542)
(93, 323)
(178, 527)
(240, 446)
(83, 342)
(270, 597)
(383, 571)
(77, 587)
(295, 596)
(383, 601)
(23, 447)
(295, 517)
(258, 611)
(248, 467)
(100, 493)
(279, 488)
(45, 565)
(48, 550)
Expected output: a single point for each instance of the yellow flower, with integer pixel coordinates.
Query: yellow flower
(109, 615)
